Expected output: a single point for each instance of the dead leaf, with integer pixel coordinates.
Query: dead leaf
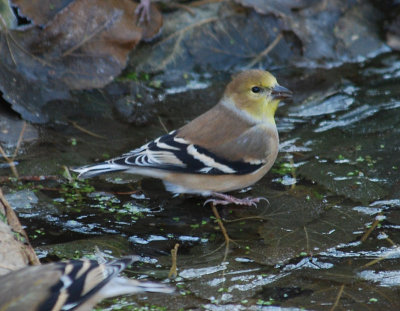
(15, 253)
(86, 44)
(83, 46)
(44, 11)
(217, 37)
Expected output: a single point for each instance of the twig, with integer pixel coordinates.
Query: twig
(266, 51)
(389, 253)
(8, 35)
(98, 30)
(21, 135)
(173, 271)
(223, 230)
(9, 48)
(67, 174)
(369, 231)
(163, 125)
(182, 7)
(10, 162)
(82, 129)
(390, 241)
(365, 306)
(340, 293)
(30, 178)
(293, 171)
(203, 2)
(125, 192)
(244, 218)
(307, 239)
(3, 24)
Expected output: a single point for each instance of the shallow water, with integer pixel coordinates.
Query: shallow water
(327, 240)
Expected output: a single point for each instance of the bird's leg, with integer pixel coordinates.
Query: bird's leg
(143, 10)
(225, 199)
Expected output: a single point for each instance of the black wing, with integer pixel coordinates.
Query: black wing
(170, 152)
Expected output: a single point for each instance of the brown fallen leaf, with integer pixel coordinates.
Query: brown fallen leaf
(84, 44)
(87, 43)
(41, 13)
(15, 249)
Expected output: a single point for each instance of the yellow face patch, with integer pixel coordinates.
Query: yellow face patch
(262, 109)
(250, 91)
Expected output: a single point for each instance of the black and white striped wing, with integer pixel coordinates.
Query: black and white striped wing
(81, 279)
(170, 152)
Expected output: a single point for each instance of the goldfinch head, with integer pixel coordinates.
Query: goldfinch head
(257, 93)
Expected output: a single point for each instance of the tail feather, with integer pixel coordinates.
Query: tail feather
(92, 170)
(124, 286)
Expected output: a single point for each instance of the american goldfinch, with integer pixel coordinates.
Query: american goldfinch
(71, 285)
(229, 147)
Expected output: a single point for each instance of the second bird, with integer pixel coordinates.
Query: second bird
(229, 147)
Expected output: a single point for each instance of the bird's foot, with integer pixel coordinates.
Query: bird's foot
(225, 199)
(143, 11)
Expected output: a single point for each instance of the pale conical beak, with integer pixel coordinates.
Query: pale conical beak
(280, 92)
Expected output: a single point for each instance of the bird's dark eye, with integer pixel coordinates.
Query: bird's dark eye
(255, 89)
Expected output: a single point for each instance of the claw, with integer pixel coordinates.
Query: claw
(256, 200)
(143, 10)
